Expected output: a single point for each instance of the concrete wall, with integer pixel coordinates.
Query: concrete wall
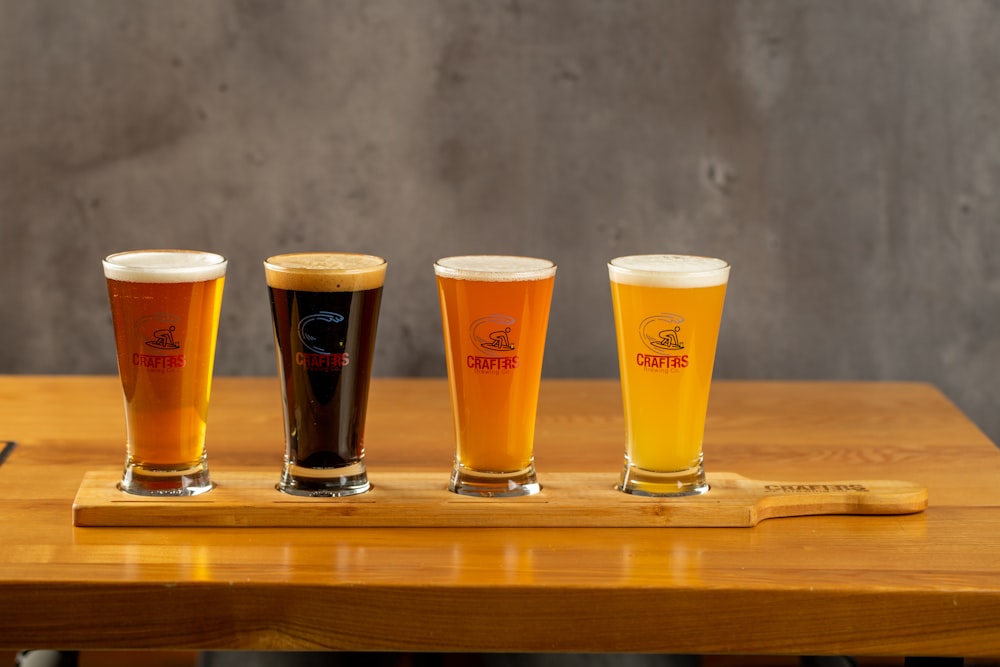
(844, 156)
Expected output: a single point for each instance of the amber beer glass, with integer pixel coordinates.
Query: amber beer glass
(165, 309)
(667, 313)
(324, 307)
(495, 312)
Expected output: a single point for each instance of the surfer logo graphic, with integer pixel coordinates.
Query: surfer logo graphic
(499, 341)
(159, 331)
(492, 334)
(320, 334)
(163, 339)
(662, 333)
(162, 332)
(495, 352)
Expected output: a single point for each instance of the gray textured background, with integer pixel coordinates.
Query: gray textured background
(844, 156)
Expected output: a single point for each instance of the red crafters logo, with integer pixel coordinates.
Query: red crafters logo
(662, 334)
(162, 338)
(493, 339)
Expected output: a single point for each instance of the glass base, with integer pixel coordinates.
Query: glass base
(324, 482)
(641, 482)
(469, 482)
(144, 481)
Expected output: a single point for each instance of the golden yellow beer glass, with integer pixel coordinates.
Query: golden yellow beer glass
(494, 312)
(667, 312)
(165, 309)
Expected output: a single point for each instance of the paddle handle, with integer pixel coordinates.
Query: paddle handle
(787, 499)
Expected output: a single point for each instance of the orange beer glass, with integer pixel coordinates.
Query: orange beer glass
(667, 313)
(494, 312)
(165, 309)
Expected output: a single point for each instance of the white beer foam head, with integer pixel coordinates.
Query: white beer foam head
(494, 268)
(164, 266)
(669, 271)
(325, 271)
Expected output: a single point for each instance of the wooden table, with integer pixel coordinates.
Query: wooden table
(918, 584)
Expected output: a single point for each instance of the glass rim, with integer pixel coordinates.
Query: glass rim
(510, 267)
(671, 271)
(372, 267)
(722, 265)
(215, 264)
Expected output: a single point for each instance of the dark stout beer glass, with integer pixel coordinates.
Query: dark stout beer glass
(324, 307)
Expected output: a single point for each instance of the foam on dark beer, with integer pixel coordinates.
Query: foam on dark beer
(325, 272)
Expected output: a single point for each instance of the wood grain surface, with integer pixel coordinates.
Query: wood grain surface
(926, 583)
(421, 499)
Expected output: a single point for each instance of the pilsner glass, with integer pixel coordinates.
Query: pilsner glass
(324, 307)
(494, 311)
(165, 308)
(667, 313)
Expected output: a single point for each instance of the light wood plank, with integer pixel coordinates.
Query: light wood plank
(567, 500)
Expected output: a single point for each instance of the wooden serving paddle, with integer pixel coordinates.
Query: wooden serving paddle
(420, 499)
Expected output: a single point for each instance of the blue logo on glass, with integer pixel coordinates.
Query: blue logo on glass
(319, 333)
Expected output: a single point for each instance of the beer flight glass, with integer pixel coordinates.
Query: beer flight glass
(165, 310)
(324, 308)
(494, 312)
(667, 311)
